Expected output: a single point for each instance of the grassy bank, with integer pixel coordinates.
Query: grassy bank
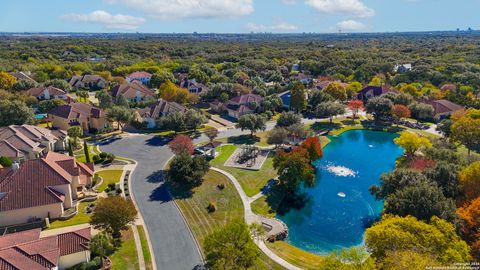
(125, 257)
(109, 177)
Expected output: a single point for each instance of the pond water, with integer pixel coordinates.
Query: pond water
(340, 205)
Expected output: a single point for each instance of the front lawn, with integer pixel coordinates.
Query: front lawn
(109, 177)
(125, 257)
(80, 218)
(252, 181)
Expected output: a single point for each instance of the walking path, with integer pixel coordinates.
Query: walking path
(251, 217)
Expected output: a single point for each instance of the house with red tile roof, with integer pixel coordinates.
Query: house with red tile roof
(141, 76)
(374, 91)
(238, 106)
(41, 188)
(193, 86)
(47, 93)
(134, 91)
(22, 142)
(88, 117)
(89, 81)
(27, 250)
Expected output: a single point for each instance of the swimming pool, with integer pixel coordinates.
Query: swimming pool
(340, 205)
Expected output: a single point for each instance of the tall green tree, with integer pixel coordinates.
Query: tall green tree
(379, 107)
(86, 152)
(121, 115)
(287, 119)
(293, 169)
(329, 109)
(337, 91)
(466, 130)
(252, 122)
(298, 101)
(104, 99)
(187, 171)
(231, 248)
(15, 112)
(75, 132)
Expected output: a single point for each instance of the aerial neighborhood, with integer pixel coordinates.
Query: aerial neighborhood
(239, 151)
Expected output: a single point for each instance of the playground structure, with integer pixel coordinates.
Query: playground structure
(248, 157)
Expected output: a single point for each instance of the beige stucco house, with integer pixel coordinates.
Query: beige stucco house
(88, 117)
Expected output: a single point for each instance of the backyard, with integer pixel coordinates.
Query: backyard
(80, 218)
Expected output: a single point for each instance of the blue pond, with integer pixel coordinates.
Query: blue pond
(340, 205)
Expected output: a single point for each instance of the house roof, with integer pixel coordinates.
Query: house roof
(77, 110)
(22, 76)
(33, 183)
(139, 74)
(37, 91)
(375, 91)
(18, 140)
(443, 106)
(130, 90)
(27, 251)
(85, 79)
(162, 107)
(245, 99)
(193, 84)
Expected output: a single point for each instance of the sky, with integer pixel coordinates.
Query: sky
(237, 16)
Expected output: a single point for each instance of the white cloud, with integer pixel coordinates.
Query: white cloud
(109, 21)
(348, 7)
(173, 9)
(351, 25)
(276, 27)
(289, 2)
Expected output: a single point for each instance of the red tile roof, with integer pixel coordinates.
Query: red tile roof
(33, 183)
(245, 99)
(27, 251)
(129, 90)
(77, 110)
(443, 106)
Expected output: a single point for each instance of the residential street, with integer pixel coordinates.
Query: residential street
(172, 243)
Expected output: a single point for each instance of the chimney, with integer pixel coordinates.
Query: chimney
(15, 166)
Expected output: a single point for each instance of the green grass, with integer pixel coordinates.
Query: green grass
(145, 248)
(229, 207)
(80, 218)
(109, 177)
(80, 154)
(295, 255)
(194, 206)
(125, 257)
(251, 181)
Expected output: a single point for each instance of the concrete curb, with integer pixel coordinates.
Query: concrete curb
(147, 235)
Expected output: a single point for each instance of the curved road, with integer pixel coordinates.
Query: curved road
(172, 243)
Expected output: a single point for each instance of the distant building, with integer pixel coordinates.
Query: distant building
(41, 188)
(286, 99)
(22, 76)
(134, 91)
(93, 82)
(88, 117)
(320, 85)
(141, 76)
(162, 108)
(27, 250)
(373, 91)
(402, 68)
(295, 67)
(194, 87)
(24, 142)
(47, 93)
(302, 77)
(443, 108)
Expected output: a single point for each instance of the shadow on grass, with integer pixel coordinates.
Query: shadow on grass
(322, 126)
(243, 139)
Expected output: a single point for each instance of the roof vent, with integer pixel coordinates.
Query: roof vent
(15, 166)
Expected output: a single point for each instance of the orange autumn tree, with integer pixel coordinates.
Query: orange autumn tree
(470, 227)
(355, 106)
(313, 148)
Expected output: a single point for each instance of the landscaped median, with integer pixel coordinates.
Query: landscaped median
(108, 177)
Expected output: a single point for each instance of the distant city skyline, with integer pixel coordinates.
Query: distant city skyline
(238, 16)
